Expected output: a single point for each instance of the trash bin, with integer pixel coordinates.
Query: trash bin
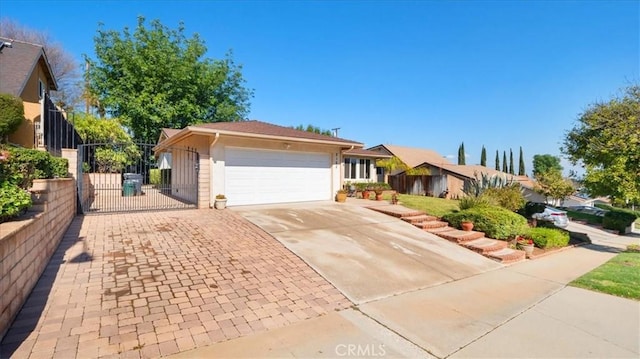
(128, 188)
(137, 181)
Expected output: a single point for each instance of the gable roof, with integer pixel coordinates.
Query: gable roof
(413, 157)
(268, 129)
(470, 171)
(255, 129)
(18, 62)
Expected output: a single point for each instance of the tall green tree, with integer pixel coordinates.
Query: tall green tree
(553, 186)
(545, 163)
(521, 170)
(497, 161)
(314, 129)
(483, 157)
(511, 170)
(156, 77)
(505, 167)
(606, 140)
(461, 155)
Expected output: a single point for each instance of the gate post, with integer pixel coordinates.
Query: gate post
(204, 179)
(71, 155)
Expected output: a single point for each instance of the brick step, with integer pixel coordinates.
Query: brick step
(458, 236)
(506, 255)
(439, 230)
(399, 212)
(418, 219)
(432, 225)
(485, 245)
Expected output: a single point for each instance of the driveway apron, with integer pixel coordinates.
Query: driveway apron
(157, 283)
(365, 254)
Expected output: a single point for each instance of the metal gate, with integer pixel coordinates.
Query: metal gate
(124, 177)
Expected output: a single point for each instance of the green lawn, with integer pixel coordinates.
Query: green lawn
(434, 206)
(620, 276)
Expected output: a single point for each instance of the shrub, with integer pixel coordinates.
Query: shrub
(618, 219)
(530, 208)
(548, 237)
(13, 200)
(509, 197)
(495, 222)
(25, 165)
(11, 114)
(154, 176)
(467, 202)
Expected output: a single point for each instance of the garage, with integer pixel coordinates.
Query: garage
(259, 176)
(254, 162)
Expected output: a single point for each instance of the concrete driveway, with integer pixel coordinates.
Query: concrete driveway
(365, 254)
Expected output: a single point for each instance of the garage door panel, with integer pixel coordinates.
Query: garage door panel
(260, 177)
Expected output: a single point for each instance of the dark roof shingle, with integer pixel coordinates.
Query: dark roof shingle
(263, 128)
(17, 64)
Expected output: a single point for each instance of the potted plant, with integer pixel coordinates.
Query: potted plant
(466, 225)
(365, 191)
(341, 195)
(220, 202)
(525, 244)
(378, 191)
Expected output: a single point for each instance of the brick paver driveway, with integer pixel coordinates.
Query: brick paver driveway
(156, 283)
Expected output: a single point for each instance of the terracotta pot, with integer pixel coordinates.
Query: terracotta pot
(365, 194)
(341, 197)
(467, 226)
(379, 197)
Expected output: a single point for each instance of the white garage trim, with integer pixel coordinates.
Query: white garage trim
(256, 176)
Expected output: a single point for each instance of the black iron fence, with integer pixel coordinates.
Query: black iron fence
(58, 132)
(122, 177)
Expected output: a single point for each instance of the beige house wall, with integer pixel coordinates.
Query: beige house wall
(25, 134)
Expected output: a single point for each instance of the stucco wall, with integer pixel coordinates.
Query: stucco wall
(25, 135)
(26, 245)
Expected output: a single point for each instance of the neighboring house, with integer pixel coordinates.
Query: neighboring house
(528, 190)
(253, 162)
(441, 178)
(25, 72)
(360, 166)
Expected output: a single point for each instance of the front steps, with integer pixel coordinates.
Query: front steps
(491, 248)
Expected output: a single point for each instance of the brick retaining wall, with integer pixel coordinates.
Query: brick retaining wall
(27, 244)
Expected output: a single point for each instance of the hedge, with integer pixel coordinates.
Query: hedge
(495, 222)
(548, 237)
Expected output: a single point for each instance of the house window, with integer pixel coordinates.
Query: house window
(40, 89)
(355, 168)
(365, 168)
(350, 169)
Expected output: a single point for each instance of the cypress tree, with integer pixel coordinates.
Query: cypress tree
(521, 171)
(497, 161)
(461, 160)
(483, 157)
(505, 167)
(511, 170)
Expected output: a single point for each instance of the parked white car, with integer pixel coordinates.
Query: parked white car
(557, 217)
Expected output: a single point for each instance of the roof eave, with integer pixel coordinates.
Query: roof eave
(194, 130)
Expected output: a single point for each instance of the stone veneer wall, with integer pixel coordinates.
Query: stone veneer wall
(27, 244)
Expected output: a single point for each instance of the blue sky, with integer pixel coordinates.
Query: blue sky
(429, 74)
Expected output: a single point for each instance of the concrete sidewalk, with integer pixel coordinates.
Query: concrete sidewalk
(524, 310)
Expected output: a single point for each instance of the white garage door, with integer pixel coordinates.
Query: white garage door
(261, 176)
